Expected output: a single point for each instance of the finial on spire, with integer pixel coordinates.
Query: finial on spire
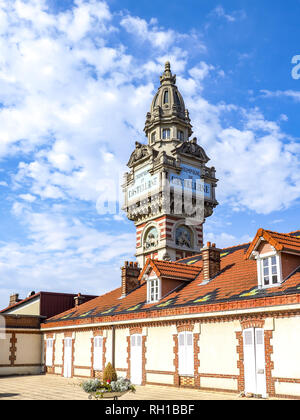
(167, 75)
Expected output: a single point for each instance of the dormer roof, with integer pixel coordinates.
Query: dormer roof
(172, 270)
(281, 242)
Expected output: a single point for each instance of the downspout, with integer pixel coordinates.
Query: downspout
(113, 347)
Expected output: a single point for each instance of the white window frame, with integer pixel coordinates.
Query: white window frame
(49, 348)
(260, 269)
(153, 282)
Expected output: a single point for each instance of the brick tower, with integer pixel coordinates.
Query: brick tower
(167, 176)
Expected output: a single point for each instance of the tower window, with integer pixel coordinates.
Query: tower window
(166, 97)
(180, 135)
(153, 137)
(166, 133)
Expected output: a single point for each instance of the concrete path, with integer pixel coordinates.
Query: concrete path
(48, 387)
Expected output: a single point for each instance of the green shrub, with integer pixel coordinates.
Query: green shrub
(109, 374)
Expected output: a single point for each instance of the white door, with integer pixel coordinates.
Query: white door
(98, 353)
(185, 354)
(49, 352)
(136, 359)
(254, 361)
(68, 358)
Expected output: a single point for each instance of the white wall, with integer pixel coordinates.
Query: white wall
(218, 343)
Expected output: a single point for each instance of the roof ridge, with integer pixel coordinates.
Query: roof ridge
(281, 233)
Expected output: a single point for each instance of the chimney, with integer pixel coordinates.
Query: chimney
(13, 299)
(130, 274)
(211, 261)
(78, 300)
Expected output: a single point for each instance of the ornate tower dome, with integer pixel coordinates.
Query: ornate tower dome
(168, 120)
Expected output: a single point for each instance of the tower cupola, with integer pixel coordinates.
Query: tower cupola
(168, 120)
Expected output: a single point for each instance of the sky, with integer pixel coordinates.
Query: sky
(76, 81)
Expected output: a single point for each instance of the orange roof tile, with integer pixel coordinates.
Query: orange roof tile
(288, 242)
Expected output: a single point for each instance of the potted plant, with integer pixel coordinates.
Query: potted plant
(109, 387)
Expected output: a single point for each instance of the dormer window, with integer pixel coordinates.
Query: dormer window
(269, 272)
(153, 290)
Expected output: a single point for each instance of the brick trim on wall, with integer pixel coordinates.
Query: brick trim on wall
(196, 360)
(175, 360)
(252, 323)
(269, 364)
(13, 349)
(185, 327)
(240, 361)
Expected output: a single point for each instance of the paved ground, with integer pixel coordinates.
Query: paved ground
(48, 387)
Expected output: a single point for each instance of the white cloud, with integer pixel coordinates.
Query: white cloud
(294, 94)
(62, 254)
(220, 12)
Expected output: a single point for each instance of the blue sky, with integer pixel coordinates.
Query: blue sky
(76, 81)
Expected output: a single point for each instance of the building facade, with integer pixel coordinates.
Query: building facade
(223, 320)
(186, 314)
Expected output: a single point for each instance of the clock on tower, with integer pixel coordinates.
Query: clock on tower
(169, 181)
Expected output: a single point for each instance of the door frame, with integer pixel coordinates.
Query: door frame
(71, 340)
(134, 336)
(257, 352)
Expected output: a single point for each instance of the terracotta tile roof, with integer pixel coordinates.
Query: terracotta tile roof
(235, 284)
(173, 270)
(286, 242)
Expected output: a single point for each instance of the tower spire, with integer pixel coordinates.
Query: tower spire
(168, 121)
